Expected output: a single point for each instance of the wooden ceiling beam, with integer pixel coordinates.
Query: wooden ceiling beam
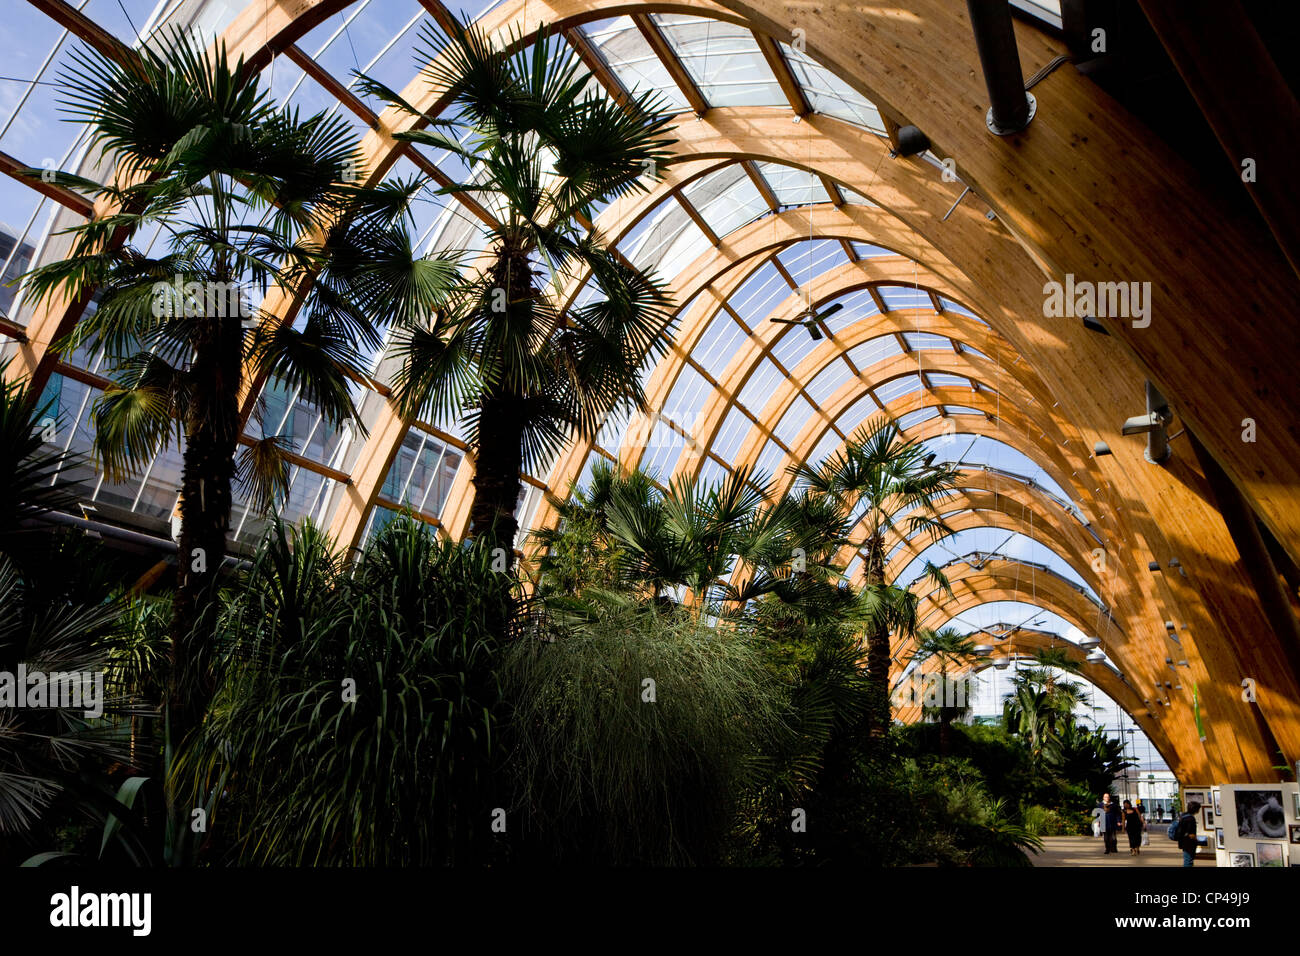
(672, 63)
(31, 178)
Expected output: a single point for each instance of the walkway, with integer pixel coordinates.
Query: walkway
(1087, 851)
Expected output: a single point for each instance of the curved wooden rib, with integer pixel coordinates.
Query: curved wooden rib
(1028, 642)
(1197, 270)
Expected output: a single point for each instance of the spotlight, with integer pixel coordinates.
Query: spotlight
(1169, 626)
(1001, 663)
(1088, 641)
(1153, 565)
(910, 142)
(1093, 325)
(1095, 657)
(982, 650)
(1101, 448)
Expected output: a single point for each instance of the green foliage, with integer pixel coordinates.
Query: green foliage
(607, 776)
(357, 717)
(522, 374)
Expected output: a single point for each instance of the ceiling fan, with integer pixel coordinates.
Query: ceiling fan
(813, 320)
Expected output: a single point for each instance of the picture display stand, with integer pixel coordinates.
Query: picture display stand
(1249, 824)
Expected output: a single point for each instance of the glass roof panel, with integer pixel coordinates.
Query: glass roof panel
(687, 398)
(732, 433)
(756, 392)
(723, 59)
(726, 199)
(947, 380)
(980, 450)
(904, 297)
(662, 451)
(927, 340)
(856, 414)
(826, 382)
(793, 347)
(828, 94)
(994, 541)
(857, 306)
(760, 294)
(868, 353)
(807, 260)
(825, 447)
(769, 460)
(793, 421)
(917, 417)
(792, 186)
(855, 198)
(867, 251)
(631, 59)
(719, 344)
(898, 387)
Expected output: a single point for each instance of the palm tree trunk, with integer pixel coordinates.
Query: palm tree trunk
(500, 457)
(879, 713)
(496, 474)
(211, 433)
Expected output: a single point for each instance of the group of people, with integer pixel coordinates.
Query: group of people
(1112, 817)
(1130, 818)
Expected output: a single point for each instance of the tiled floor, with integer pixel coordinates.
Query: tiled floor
(1087, 851)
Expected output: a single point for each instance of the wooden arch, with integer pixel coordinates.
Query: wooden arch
(1053, 190)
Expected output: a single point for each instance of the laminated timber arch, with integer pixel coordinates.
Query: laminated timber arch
(1225, 749)
(1151, 717)
(1028, 642)
(1052, 187)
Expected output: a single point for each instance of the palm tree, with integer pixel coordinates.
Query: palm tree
(949, 648)
(56, 615)
(544, 154)
(249, 198)
(1042, 702)
(887, 483)
(689, 538)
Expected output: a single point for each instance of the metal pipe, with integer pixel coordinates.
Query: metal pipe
(1011, 106)
(125, 534)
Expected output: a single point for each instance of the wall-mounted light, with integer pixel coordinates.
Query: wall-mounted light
(1100, 448)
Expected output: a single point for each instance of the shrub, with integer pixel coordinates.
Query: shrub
(612, 769)
(356, 721)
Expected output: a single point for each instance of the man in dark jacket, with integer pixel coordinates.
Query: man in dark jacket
(1187, 833)
(1110, 820)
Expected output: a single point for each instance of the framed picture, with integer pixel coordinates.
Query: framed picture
(1295, 833)
(1260, 814)
(1296, 798)
(1218, 803)
(1218, 838)
(1207, 814)
(1193, 796)
(1241, 859)
(1270, 854)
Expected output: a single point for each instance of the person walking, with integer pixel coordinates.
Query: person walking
(1187, 841)
(1110, 820)
(1134, 824)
